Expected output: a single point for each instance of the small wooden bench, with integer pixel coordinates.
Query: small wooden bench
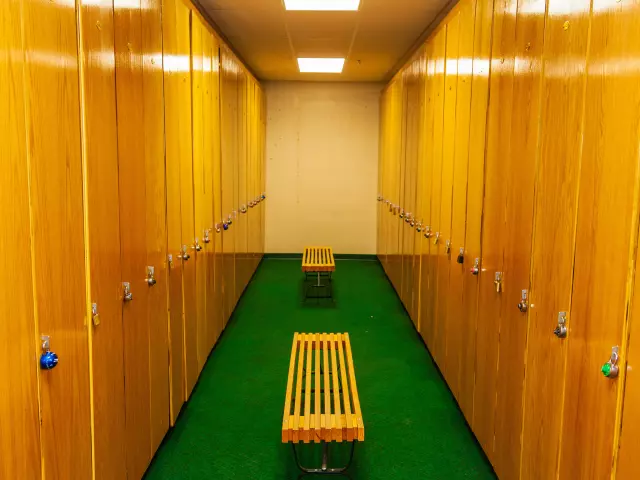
(321, 403)
(318, 262)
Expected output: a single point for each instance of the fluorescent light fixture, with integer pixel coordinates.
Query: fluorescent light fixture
(321, 65)
(326, 5)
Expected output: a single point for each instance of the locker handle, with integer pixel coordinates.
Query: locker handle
(610, 369)
(48, 359)
(151, 276)
(185, 256)
(127, 296)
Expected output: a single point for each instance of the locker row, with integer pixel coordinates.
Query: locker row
(508, 224)
(132, 194)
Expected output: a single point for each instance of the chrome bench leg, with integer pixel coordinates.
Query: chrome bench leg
(324, 469)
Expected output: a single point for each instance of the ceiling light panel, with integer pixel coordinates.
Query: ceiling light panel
(321, 65)
(322, 5)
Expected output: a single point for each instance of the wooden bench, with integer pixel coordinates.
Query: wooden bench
(318, 262)
(321, 403)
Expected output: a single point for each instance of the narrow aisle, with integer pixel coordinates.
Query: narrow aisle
(230, 429)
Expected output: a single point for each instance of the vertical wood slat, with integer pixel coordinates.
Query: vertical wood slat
(316, 405)
(296, 411)
(286, 425)
(348, 430)
(327, 394)
(307, 392)
(337, 425)
(354, 388)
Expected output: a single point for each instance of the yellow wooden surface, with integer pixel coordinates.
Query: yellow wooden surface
(55, 181)
(318, 259)
(174, 67)
(242, 270)
(102, 240)
(607, 202)
(566, 40)
(454, 327)
(133, 238)
(19, 438)
(339, 416)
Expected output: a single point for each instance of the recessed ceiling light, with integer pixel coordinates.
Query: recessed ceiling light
(327, 5)
(321, 65)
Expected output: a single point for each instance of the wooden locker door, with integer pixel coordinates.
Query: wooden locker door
(517, 245)
(395, 265)
(381, 248)
(402, 185)
(102, 230)
(133, 238)
(564, 63)
(475, 192)
(607, 206)
(443, 233)
(241, 179)
(189, 298)
(200, 186)
(56, 198)
(428, 327)
(454, 327)
(175, 68)
(19, 439)
(498, 155)
(154, 152)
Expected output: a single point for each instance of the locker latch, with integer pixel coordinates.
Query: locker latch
(170, 260)
(427, 231)
(475, 270)
(218, 227)
(151, 276)
(435, 241)
(610, 369)
(402, 213)
(498, 282)
(419, 227)
(523, 305)
(380, 198)
(447, 246)
(243, 209)
(48, 359)
(206, 238)
(229, 219)
(196, 246)
(127, 296)
(184, 254)
(561, 330)
(95, 316)
(460, 258)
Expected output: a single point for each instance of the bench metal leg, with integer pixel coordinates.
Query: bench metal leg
(310, 285)
(324, 469)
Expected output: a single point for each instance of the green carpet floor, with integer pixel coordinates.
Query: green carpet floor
(230, 429)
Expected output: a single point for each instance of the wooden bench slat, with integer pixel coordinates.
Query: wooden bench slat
(337, 427)
(307, 390)
(354, 388)
(327, 388)
(296, 411)
(318, 259)
(345, 391)
(286, 427)
(316, 405)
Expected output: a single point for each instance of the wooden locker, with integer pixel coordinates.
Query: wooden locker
(428, 327)
(402, 184)
(395, 263)
(189, 298)
(241, 179)
(454, 328)
(20, 439)
(102, 241)
(55, 178)
(156, 224)
(606, 239)
(175, 69)
(493, 229)
(200, 185)
(561, 133)
(475, 192)
(133, 238)
(517, 239)
(381, 244)
(443, 232)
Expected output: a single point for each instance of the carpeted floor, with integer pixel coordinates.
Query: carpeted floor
(230, 429)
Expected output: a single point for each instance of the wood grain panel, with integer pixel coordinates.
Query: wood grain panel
(475, 192)
(102, 229)
(133, 236)
(454, 327)
(174, 66)
(498, 154)
(19, 410)
(604, 263)
(564, 62)
(446, 190)
(55, 168)
(517, 245)
(241, 223)
(154, 144)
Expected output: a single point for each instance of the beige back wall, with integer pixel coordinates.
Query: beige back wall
(322, 166)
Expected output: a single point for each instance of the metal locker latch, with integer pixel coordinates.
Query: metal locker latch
(435, 241)
(218, 227)
(127, 296)
(170, 260)
(561, 330)
(427, 231)
(151, 276)
(206, 238)
(447, 246)
(523, 306)
(243, 209)
(48, 359)
(460, 258)
(185, 256)
(475, 270)
(380, 198)
(402, 213)
(498, 282)
(196, 246)
(95, 316)
(229, 220)
(610, 369)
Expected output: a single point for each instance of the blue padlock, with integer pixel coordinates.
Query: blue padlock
(263, 196)
(225, 226)
(48, 360)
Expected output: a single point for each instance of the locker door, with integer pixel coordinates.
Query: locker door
(133, 238)
(606, 239)
(102, 228)
(565, 49)
(20, 440)
(428, 327)
(454, 327)
(154, 143)
(55, 169)
(189, 309)
(402, 184)
(517, 245)
(395, 266)
(381, 244)
(200, 186)
(443, 233)
(241, 179)
(475, 192)
(175, 68)
(498, 155)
